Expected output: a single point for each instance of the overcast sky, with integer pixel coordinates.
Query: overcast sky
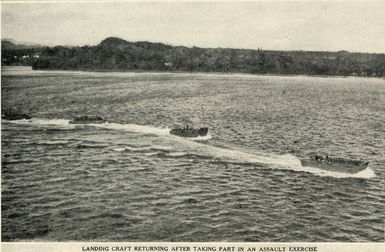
(321, 26)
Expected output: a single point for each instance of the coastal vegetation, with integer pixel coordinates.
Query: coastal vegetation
(115, 54)
(13, 54)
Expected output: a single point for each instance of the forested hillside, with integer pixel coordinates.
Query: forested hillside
(114, 54)
(13, 54)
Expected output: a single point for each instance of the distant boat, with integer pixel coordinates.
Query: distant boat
(87, 119)
(335, 164)
(15, 116)
(189, 132)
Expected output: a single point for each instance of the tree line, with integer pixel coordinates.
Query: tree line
(114, 54)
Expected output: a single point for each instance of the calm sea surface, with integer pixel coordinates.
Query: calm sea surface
(129, 180)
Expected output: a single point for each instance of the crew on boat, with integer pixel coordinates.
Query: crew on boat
(329, 160)
(318, 157)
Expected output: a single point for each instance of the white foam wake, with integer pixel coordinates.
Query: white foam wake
(133, 128)
(141, 149)
(284, 162)
(289, 162)
(202, 138)
(43, 122)
(273, 161)
(115, 126)
(53, 122)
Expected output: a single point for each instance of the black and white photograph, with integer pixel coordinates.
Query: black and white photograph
(218, 122)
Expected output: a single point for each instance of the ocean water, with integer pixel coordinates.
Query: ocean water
(130, 180)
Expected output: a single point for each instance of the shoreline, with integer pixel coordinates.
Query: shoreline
(191, 73)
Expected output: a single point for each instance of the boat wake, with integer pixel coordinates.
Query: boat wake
(202, 138)
(114, 126)
(133, 128)
(143, 129)
(51, 123)
(195, 147)
(143, 149)
(273, 161)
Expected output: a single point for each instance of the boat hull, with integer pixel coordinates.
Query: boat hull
(336, 165)
(15, 117)
(190, 133)
(88, 120)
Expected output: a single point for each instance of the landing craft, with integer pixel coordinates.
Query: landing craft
(88, 119)
(11, 115)
(335, 164)
(189, 132)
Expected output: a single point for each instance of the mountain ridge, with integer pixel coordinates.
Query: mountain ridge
(11, 44)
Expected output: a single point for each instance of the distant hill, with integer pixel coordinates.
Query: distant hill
(115, 54)
(9, 44)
